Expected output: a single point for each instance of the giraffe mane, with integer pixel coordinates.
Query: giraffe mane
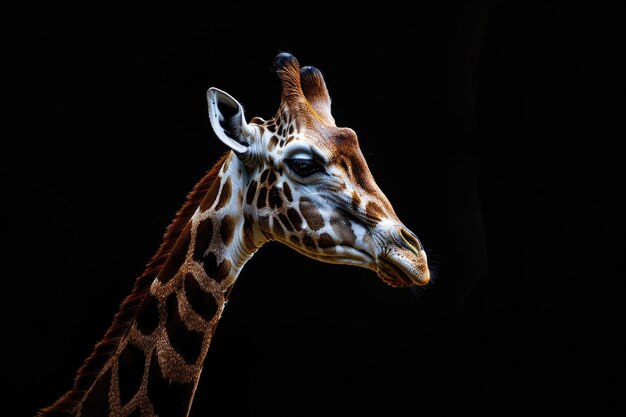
(106, 347)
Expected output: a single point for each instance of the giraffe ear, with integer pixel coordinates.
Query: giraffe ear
(228, 121)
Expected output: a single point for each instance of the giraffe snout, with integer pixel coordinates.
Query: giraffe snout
(402, 261)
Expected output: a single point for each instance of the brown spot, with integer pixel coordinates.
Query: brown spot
(295, 218)
(374, 212)
(187, 342)
(147, 318)
(272, 128)
(325, 241)
(287, 191)
(285, 221)
(227, 229)
(274, 198)
(311, 214)
(211, 195)
(343, 229)
(290, 132)
(264, 223)
(273, 142)
(131, 362)
(279, 232)
(246, 234)
(345, 166)
(224, 195)
(251, 192)
(204, 234)
(361, 173)
(294, 239)
(264, 176)
(356, 201)
(281, 143)
(290, 138)
(168, 398)
(308, 242)
(222, 271)
(177, 256)
(271, 178)
(202, 302)
(209, 263)
(97, 402)
(261, 200)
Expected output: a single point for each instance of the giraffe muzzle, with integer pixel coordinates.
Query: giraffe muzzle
(401, 261)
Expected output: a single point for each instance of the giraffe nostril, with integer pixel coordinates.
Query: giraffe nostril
(411, 241)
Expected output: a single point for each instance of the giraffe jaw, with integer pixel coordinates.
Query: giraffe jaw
(341, 254)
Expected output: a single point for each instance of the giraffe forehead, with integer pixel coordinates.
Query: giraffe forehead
(329, 142)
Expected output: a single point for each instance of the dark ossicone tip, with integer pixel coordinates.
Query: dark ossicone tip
(283, 59)
(309, 70)
(312, 81)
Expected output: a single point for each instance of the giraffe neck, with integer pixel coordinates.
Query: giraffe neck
(157, 365)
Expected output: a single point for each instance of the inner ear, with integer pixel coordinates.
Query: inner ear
(228, 122)
(231, 119)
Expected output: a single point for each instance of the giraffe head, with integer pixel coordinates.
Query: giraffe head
(307, 184)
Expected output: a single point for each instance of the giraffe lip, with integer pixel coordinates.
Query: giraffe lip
(392, 274)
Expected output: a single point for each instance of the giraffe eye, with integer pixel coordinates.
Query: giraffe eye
(304, 167)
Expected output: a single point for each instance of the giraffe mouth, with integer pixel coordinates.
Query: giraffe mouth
(400, 273)
(392, 275)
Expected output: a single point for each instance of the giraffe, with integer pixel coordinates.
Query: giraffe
(297, 179)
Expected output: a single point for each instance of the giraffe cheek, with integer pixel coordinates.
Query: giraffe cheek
(311, 214)
(295, 219)
(343, 229)
(261, 200)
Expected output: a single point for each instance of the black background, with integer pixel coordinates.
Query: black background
(467, 114)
